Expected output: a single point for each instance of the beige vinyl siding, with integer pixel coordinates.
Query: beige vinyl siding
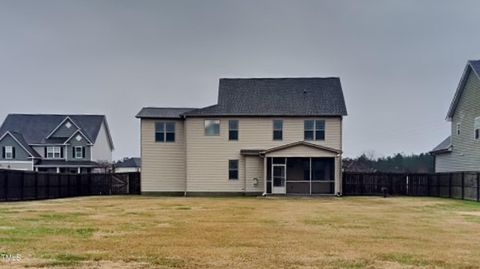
(465, 155)
(207, 156)
(163, 164)
(254, 170)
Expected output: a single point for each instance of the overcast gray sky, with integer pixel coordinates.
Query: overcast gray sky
(399, 61)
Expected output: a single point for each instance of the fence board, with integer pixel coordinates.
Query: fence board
(27, 185)
(460, 185)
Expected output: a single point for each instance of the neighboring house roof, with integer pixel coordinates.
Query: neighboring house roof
(443, 147)
(129, 162)
(162, 112)
(472, 66)
(277, 97)
(35, 128)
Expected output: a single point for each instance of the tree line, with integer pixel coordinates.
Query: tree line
(397, 163)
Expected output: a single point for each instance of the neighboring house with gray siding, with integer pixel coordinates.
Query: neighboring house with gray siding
(55, 143)
(461, 150)
(264, 135)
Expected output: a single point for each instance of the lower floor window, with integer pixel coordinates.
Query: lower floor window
(233, 169)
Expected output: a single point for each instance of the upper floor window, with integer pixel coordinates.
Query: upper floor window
(233, 130)
(212, 127)
(165, 132)
(79, 152)
(314, 130)
(232, 169)
(9, 152)
(458, 128)
(476, 128)
(277, 129)
(53, 153)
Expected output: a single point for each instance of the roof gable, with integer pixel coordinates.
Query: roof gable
(277, 97)
(66, 124)
(472, 68)
(304, 144)
(21, 141)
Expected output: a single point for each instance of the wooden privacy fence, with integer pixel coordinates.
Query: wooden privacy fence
(461, 185)
(27, 185)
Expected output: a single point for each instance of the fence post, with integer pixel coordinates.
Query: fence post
(478, 187)
(361, 183)
(428, 184)
(48, 184)
(36, 185)
(450, 185)
(6, 185)
(22, 185)
(463, 185)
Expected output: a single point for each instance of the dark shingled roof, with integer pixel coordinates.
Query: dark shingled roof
(34, 128)
(129, 162)
(471, 65)
(162, 112)
(277, 97)
(442, 147)
(24, 143)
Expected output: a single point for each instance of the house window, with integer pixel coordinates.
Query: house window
(53, 153)
(476, 128)
(79, 153)
(232, 169)
(277, 129)
(9, 152)
(165, 132)
(233, 130)
(458, 128)
(212, 127)
(314, 130)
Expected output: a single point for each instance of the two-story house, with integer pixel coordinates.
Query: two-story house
(55, 143)
(264, 135)
(461, 150)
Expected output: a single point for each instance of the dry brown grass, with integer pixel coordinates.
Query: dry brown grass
(156, 232)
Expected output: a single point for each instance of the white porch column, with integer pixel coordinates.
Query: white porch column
(58, 170)
(265, 174)
(338, 175)
(79, 170)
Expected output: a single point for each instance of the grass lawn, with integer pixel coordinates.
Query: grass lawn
(157, 232)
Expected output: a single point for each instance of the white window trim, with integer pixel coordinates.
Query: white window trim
(53, 151)
(314, 130)
(205, 127)
(8, 153)
(77, 152)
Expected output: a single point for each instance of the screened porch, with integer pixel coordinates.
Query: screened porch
(300, 175)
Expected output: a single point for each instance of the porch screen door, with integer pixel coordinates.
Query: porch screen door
(279, 178)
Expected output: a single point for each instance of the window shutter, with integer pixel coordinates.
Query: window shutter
(83, 152)
(45, 152)
(61, 152)
(13, 152)
(3, 152)
(73, 152)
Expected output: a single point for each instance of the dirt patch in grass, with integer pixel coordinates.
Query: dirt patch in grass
(179, 232)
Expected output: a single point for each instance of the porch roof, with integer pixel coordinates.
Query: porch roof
(263, 152)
